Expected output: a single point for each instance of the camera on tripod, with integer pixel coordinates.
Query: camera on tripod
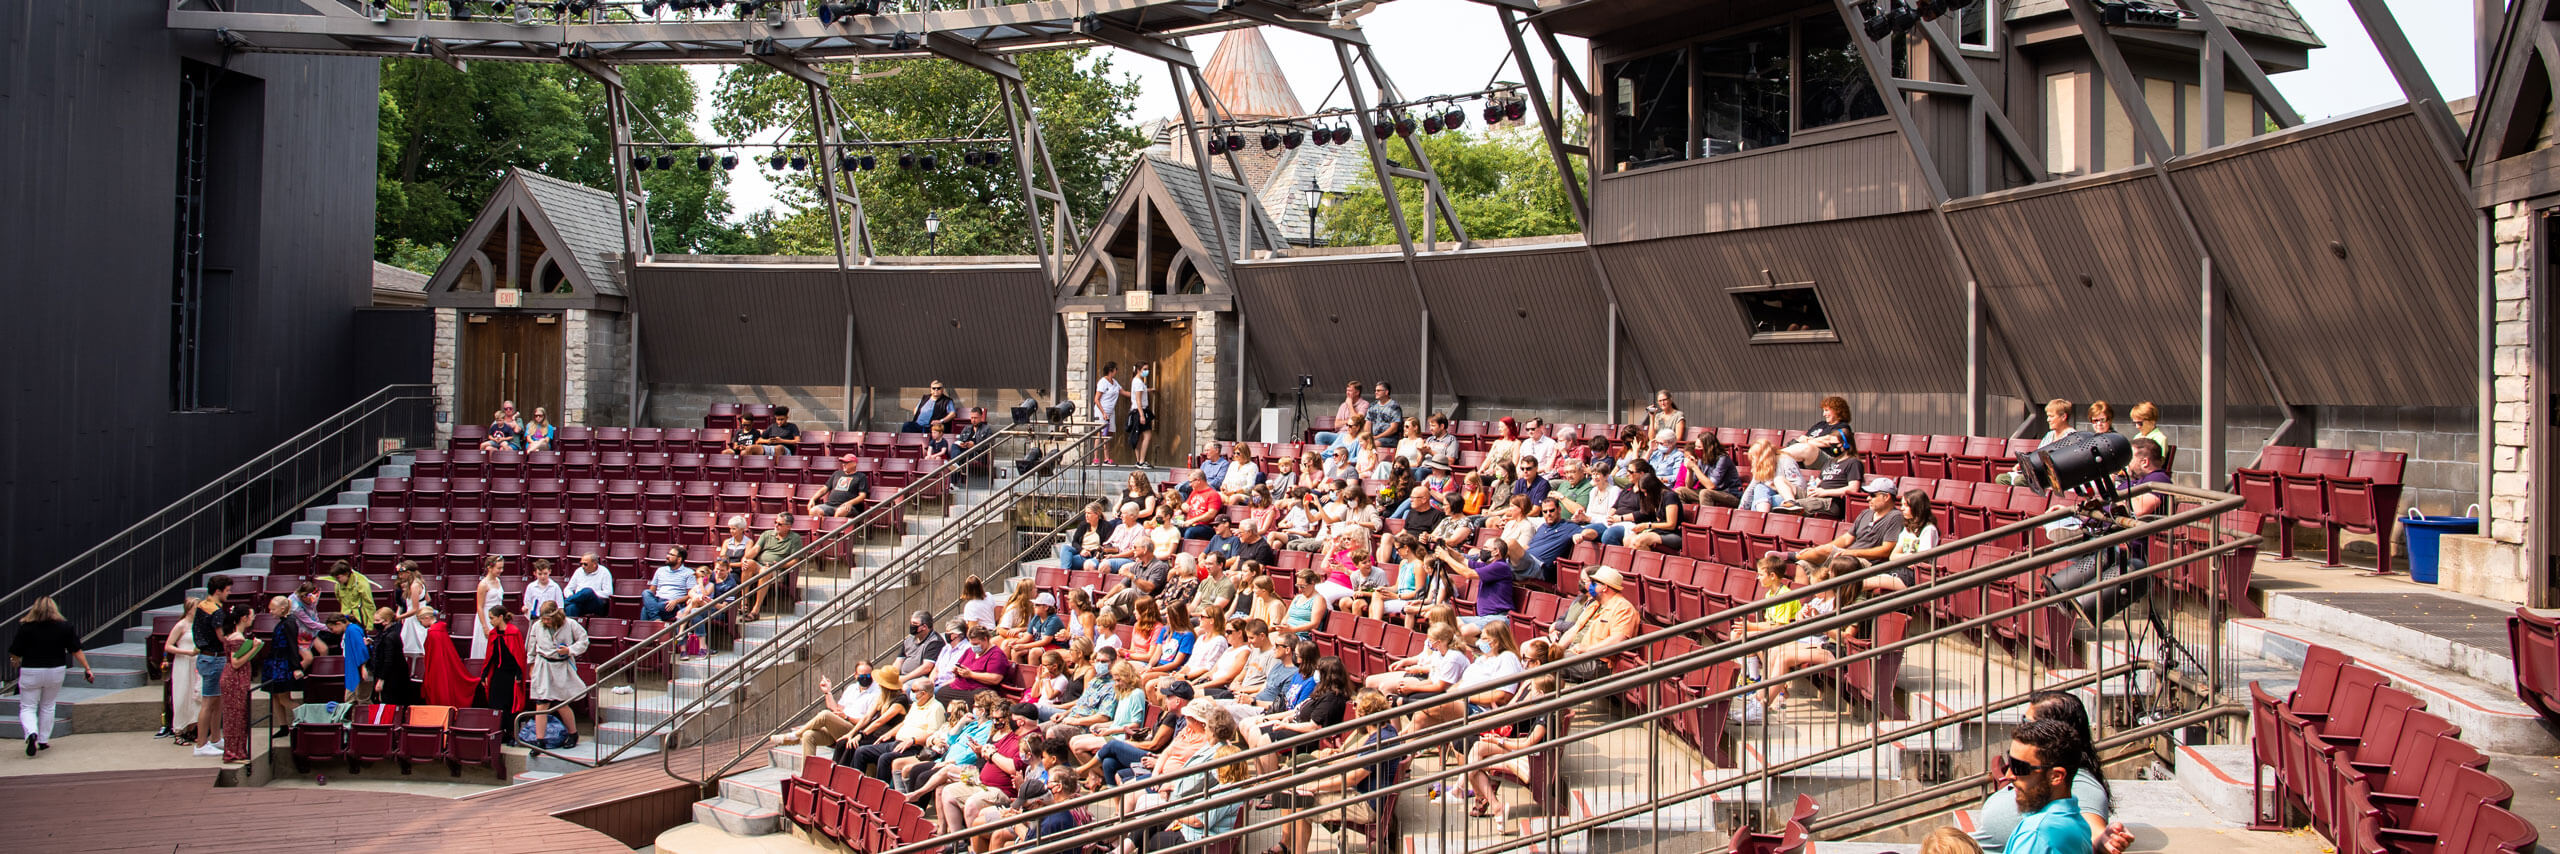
(1306, 381)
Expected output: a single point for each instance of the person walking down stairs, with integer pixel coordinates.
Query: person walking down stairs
(43, 651)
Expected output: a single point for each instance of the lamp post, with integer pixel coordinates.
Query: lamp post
(932, 231)
(1314, 196)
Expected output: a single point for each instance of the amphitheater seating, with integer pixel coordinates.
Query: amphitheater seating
(2335, 490)
(2372, 769)
(1790, 838)
(2533, 643)
(853, 808)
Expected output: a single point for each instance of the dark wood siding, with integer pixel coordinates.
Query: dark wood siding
(1869, 173)
(2093, 285)
(88, 171)
(2336, 237)
(1519, 324)
(1340, 319)
(1886, 284)
(972, 327)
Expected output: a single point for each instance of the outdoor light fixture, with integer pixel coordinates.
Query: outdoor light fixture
(830, 13)
(1321, 136)
(1404, 125)
(869, 163)
(461, 11)
(1235, 141)
(1896, 18)
(906, 160)
(799, 163)
(1455, 119)
(1385, 127)
(902, 41)
(2075, 461)
(779, 161)
(990, 158)
(1270, 140)
(1291, 139)
(932, 222)
(1515, 110)
(651, 7)
(925, 163)
(1058, 414)
(1217, 146)
(728, 162)
(969, 158)
(640, 163)
(1431, 124)
(702, 162)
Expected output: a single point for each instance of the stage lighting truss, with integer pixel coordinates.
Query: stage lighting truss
(1502, 102)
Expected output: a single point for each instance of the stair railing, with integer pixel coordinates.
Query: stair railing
(2199, 699)
(629, 679)
(749, 699)
(101, 589)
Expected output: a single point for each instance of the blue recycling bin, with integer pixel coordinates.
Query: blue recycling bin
(2424, 542)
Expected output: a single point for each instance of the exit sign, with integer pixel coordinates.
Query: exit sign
(510, 298)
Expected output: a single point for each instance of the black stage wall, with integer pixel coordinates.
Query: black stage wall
(90, 106)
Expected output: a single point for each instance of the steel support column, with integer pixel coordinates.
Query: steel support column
(2211, 302)
(1395, 209)
(821, 132)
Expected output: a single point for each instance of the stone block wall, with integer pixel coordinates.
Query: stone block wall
(448, 346)
(2511, 464)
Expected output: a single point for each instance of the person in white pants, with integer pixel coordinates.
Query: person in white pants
(183, 698)
(43, 650)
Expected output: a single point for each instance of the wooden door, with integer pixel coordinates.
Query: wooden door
(510, 357)
(1165, 344)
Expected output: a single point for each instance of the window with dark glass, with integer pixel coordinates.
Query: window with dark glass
(1835, 86)
(1742, 92)
(1973, 28)
(1649, 115)
(1790, 312)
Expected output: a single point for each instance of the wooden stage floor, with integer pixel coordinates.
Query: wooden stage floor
(183, 811)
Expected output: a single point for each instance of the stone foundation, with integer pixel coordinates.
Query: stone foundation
(2482, 566)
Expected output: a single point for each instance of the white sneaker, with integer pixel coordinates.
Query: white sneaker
(1751, 711)
(214, 749)
(622, 689)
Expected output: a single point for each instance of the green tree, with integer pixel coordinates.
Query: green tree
(1502, 183)
(1083, 109)
(448, 137)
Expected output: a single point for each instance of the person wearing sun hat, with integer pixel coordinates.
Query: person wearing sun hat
(1612, 618)
(845, 715)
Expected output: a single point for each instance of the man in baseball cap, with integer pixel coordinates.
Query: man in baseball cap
(848, 491)
(1869, 538)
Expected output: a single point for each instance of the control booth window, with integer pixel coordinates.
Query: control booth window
(1649, 117)
(1742, 92)
(1835, 87)
(1783, 313)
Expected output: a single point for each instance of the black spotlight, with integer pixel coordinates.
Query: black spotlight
(1270, 140)
(870, 162)
(969, 158)
(925, 163)
(2075, 461)
(461, 11)
(799, 163)
(1404, 125)
(1455, 119)
(902, 41)
(1058, 414)
(728, 162)
(991, 158)
(830, 13)
(906, 160)
(1431, 124)
(1895, 18)
(1515, 110)
(1291, 140)
(1235, 142)
(1385, 127)
(848, 163)
(640, 163)
(1492, 113)
(666, 162)
(1023, 412)
(702, 162)
(1217, 146)
(1321, 136)
(779, 160)
(1341, 134)
(651, 7)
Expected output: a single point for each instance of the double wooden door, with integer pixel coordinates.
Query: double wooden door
(1164, 344)
(510, 357)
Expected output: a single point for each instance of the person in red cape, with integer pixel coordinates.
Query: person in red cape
(448, 684)
(502, 675)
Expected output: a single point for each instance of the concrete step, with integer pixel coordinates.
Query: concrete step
(2489, 714)
(2488, 665)
(637, 709)
(531, 777)
(306, 529)
(761, 787)
(356, 497)
(14, 730)
(257, 560)
(398, 469)
(617, 734)
(738, 818)
(120, 656)
(320, 512)
(268, 544)
(2219, 777)
(587, 749)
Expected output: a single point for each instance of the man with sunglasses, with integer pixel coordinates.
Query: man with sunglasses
(935, 408)
(2038, 768)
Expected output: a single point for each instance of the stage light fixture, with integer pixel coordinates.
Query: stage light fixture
(1895, 18)
(902, 41)
(1270, 140)
(799, 163)
(381, 13)
(973, 158)
(1454, 119)
(640, 163)
(779, 161)
(666, 162)
(1291, 140)
(702, 162)
(1321, 135)
(1217, 146)
(1384, 128)
(728, 162)
(830, 13)
(2075, 461)
(848, 163)
(991, 158)
(1058, 414)
(907, 160)
(1404, 125)
(1023, 412)
(926, 162)
(1235, 141)
(869, 163)
(651, 7)
(461, 11)
(1492, 113)
(1431, 124)
(1515, 110)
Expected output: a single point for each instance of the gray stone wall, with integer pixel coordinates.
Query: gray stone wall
(448, 344)
(817, 407)
(2511, 477)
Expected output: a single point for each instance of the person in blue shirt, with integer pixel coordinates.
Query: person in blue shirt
(1552, 540)
(2039, 767)
(667, 588)
(1223, 541)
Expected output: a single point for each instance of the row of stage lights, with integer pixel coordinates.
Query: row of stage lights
(799, 162)
(1394, 122)
(773, 11)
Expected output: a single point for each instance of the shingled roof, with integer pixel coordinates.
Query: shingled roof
(587, 220)
(2275, 19)
(1183, 183)
(1247, 79)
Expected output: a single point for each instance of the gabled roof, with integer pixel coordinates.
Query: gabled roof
(572, 228)
(1335, 168)
(2275, 19)
(1183, 182)
(587, 219)
(398, 286)
(1172, 191)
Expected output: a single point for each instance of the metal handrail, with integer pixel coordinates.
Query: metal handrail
(622, 663)
(375, 410)
(2211, 504)
(756, 660)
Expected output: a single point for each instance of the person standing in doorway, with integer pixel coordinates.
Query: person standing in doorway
(1106, 403)
(43, 651)
(1142, 414)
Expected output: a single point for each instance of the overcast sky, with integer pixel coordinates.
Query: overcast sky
(1450, 46)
